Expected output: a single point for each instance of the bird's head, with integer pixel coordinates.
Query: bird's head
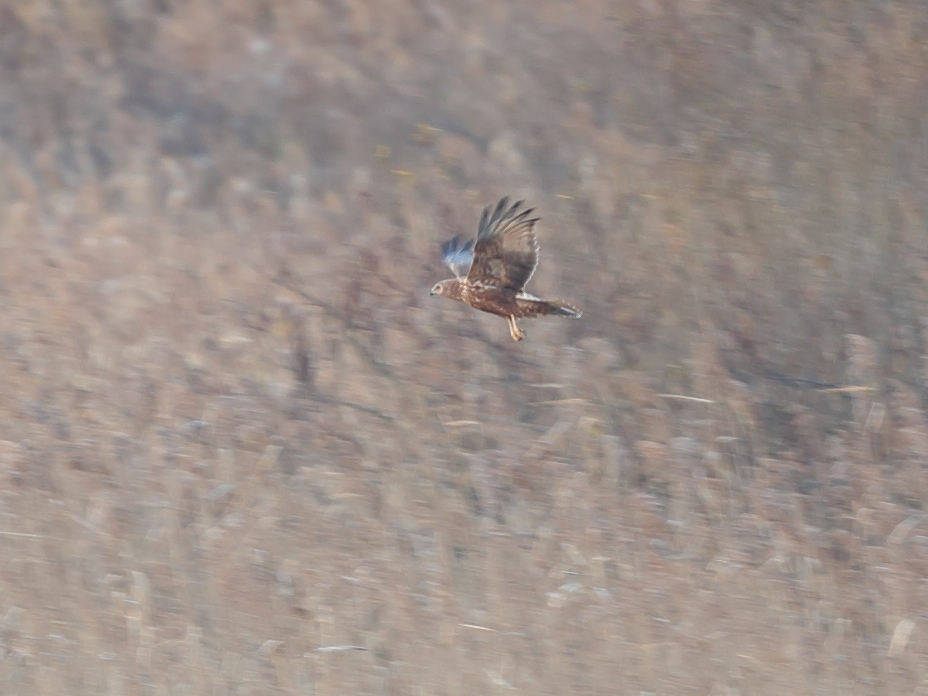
(443, 288)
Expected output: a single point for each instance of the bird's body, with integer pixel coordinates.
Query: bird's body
(492, 272)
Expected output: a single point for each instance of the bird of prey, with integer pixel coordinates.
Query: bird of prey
(491, 272)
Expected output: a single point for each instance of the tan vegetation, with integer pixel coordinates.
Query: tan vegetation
(241, 452)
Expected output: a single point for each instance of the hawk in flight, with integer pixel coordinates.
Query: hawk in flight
(492, 272)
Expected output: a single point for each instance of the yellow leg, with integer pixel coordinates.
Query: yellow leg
(514, 330)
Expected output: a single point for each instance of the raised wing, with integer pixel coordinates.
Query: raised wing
(458, 256)
(506, 252)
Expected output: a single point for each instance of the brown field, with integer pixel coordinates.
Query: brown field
(243, 452)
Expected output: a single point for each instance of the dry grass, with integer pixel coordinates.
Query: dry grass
(242, 452)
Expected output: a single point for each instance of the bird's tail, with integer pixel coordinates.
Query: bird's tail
(563, 309)
(534, 307)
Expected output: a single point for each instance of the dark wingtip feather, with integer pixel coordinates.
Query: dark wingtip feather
(501, 206)
(504, 212)
(458, 256)
(521, 217)
(454, 246)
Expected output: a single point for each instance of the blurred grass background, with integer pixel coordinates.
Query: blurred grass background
(237, 437)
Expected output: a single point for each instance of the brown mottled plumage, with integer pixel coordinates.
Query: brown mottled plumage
(492, 272)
